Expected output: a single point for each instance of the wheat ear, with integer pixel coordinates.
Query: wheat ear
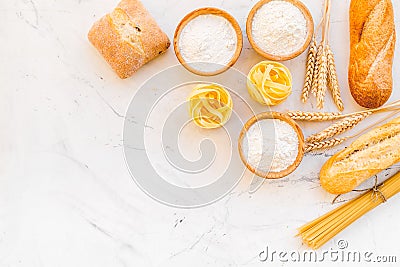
(333, 80)
(338, 127)
(312, 53)
(325, 144)
(322, 78)
(314, 116)
(317, 67)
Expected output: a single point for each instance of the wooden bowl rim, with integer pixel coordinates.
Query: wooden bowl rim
(208, 11)
(291, 122)
(310, 30)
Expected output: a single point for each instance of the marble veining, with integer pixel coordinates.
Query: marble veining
(66, 195)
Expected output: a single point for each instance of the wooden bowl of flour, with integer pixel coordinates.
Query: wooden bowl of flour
(234, 54)
(300, 147)
(280, 57)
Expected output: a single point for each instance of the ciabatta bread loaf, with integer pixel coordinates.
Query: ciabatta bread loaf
(128, 37)
(372, 43)
(365, 157)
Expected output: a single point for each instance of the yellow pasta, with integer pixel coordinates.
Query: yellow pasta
(269, 83)
(318, 232)
(210, 105)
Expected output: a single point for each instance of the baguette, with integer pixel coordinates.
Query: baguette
(128, 37)
(368, 155)
(372, 44)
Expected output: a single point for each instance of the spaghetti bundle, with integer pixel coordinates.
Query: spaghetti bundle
(316, 233)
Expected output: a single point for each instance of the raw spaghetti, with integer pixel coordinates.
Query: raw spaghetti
(316, 233)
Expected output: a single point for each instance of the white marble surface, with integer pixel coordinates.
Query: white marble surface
(66, 196)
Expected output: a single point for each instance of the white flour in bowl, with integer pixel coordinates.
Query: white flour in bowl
(270, 145)
(279, 28)
(210, 39)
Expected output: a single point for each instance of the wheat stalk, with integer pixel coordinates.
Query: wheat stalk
(322, 78)
(321, 70)
(311, 58)
(324, 144)
(338, 127)
(333, 80)
(330, 116)
(317, 67)
(314, 116)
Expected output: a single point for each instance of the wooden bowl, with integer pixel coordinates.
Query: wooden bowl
(208, 11)
(291, 122)
(310, 30)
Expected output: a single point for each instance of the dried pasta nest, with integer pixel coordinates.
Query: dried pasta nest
(269, 83)
(210, 105)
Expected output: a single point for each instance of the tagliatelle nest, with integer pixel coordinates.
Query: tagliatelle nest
(210, 105)
(269, 83)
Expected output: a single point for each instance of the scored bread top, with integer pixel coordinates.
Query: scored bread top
(128, 37)
(365, 157)
(372, 42)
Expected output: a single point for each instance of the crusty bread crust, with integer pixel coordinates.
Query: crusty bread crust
(128, 38)
(372, 44)
(365, 157)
